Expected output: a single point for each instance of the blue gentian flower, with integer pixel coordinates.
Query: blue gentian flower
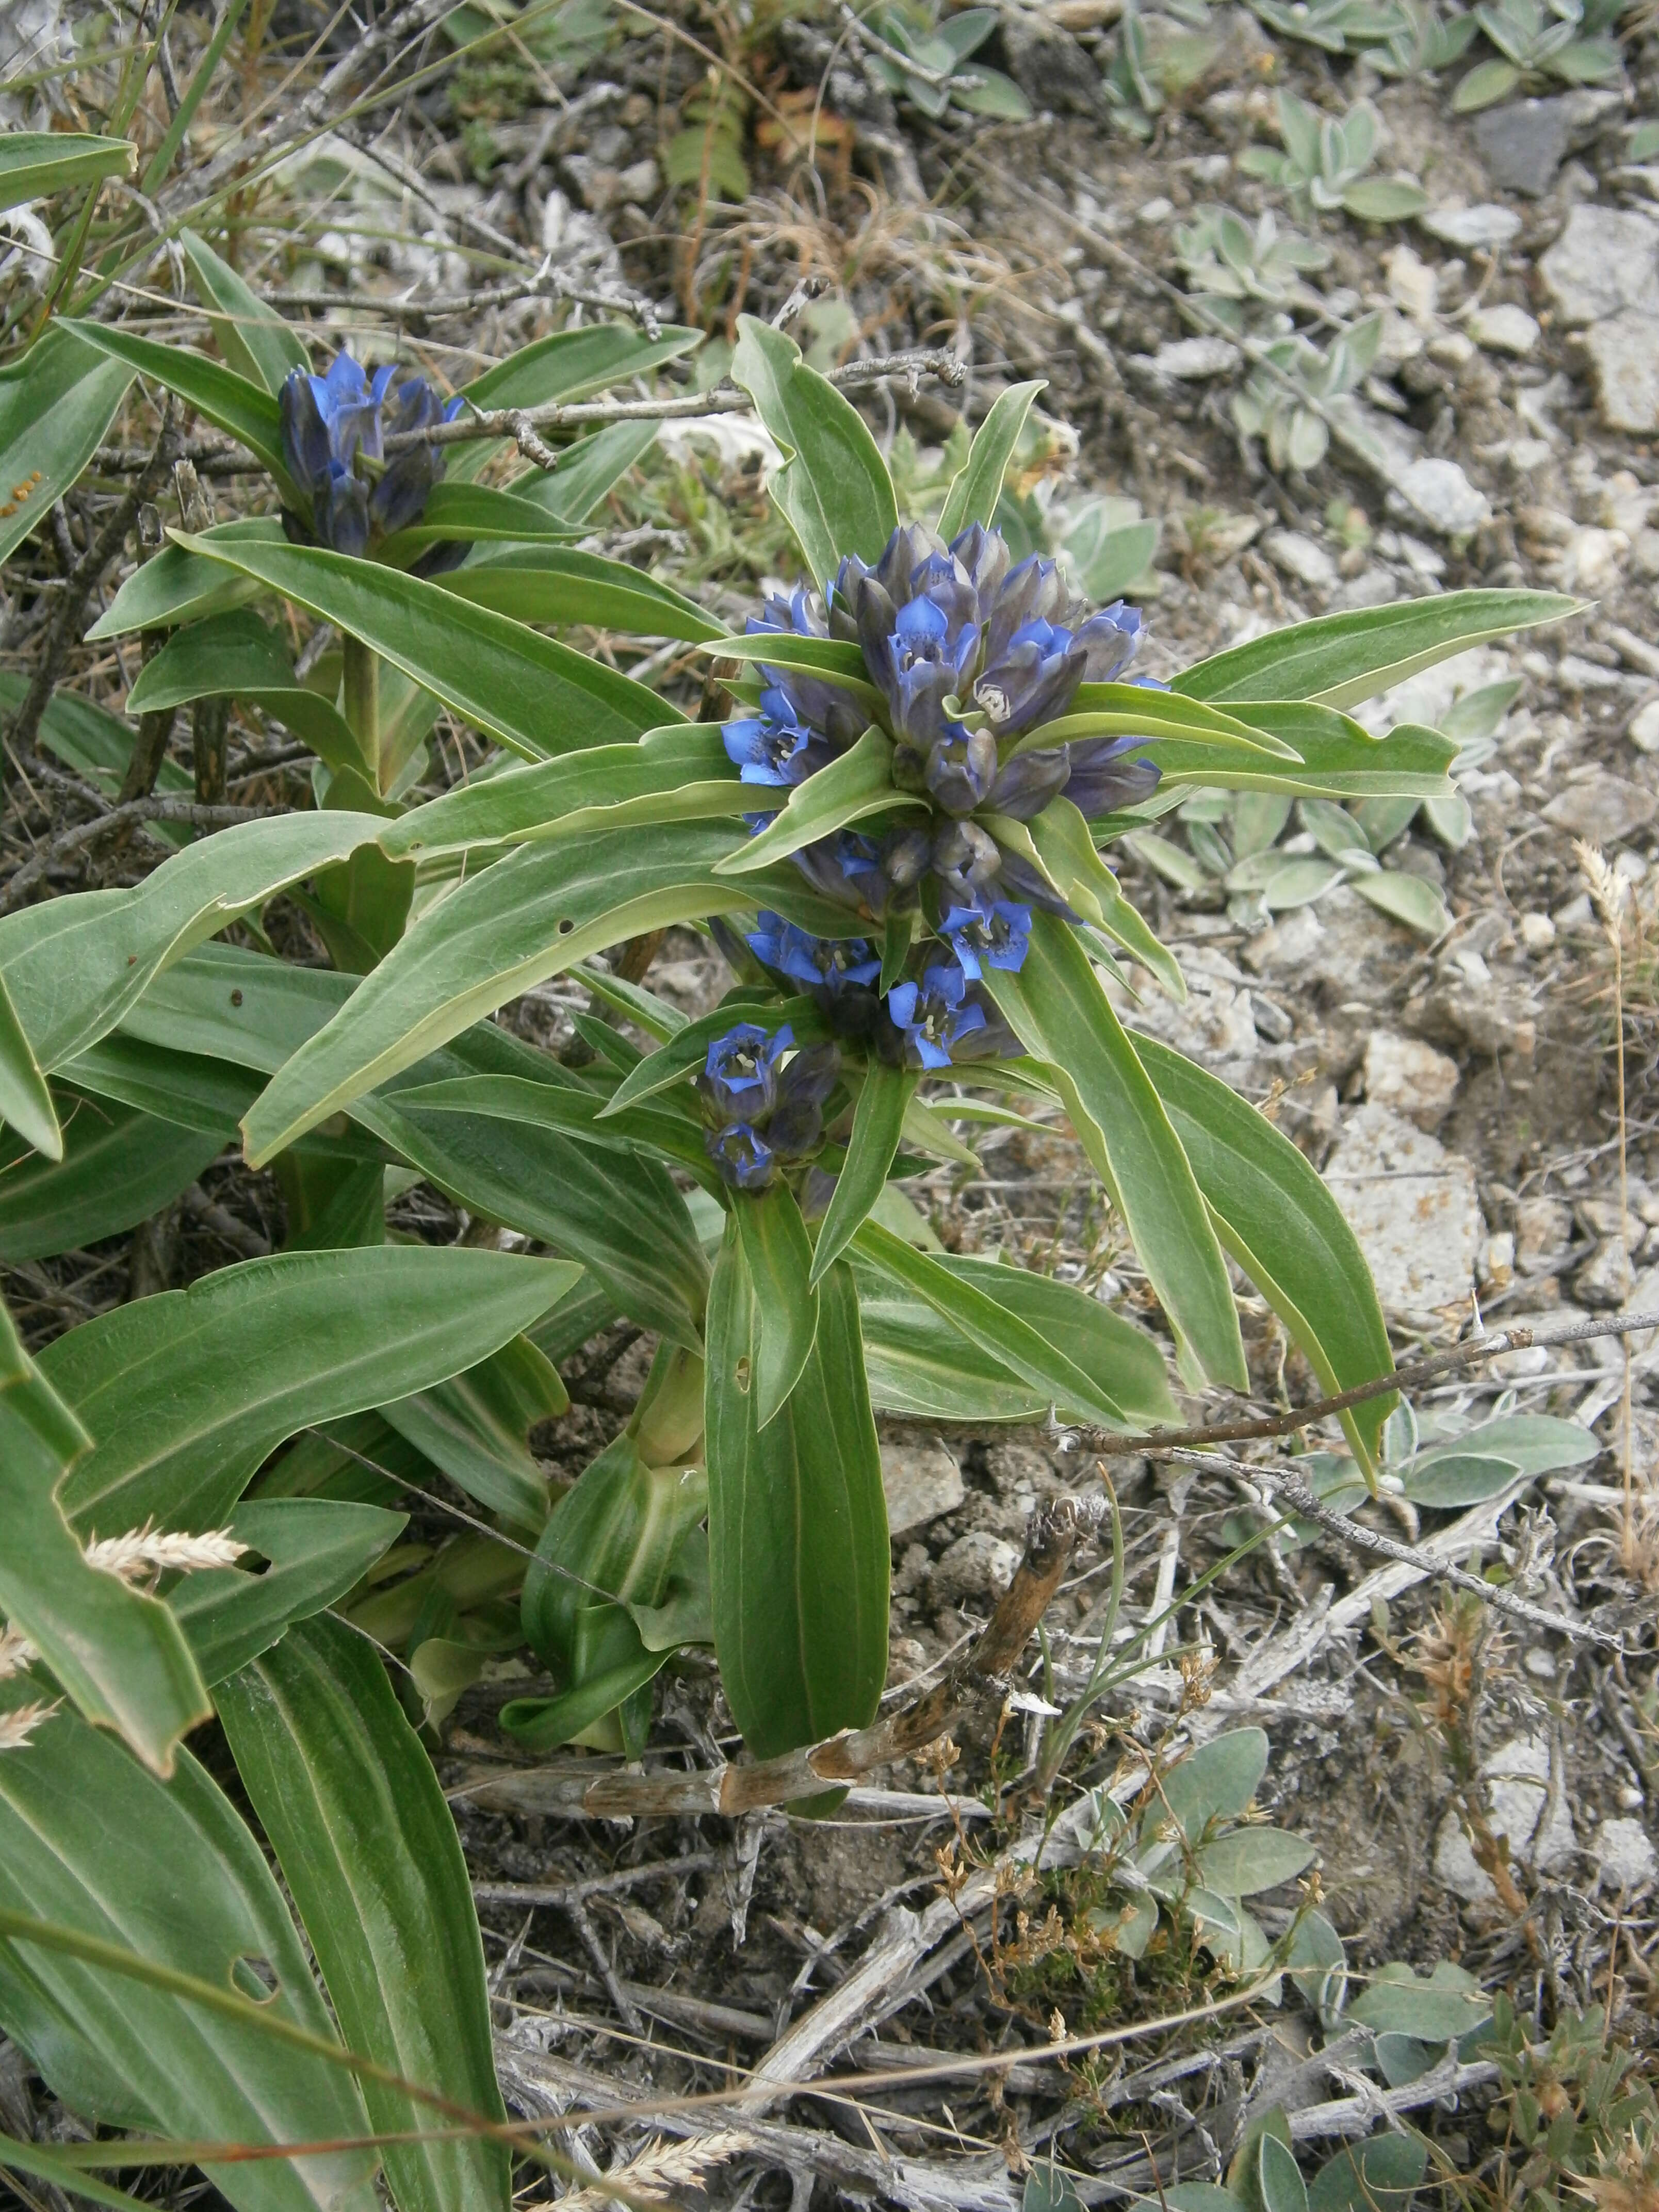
(770, 747)
(328, 421)
(829, 964)
(996, 934)
(931, 1014)
(742, 1155)
(739, 1079)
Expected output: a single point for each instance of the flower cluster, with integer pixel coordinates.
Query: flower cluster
(971, 654)
(329, 420)
(763, 1101)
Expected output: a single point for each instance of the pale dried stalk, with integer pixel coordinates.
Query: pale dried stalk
(1053, 1534)
(1610, 892)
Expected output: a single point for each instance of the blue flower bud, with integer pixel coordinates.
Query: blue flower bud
(1033, 678)
(326, 421)
(742, 1155)
(966, 860)
(961, 766)
(1026, 784)
(933, 1016)
(1033, 591)
(1102, 780)
(1110, 639)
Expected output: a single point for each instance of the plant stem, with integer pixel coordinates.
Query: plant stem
(362, 703)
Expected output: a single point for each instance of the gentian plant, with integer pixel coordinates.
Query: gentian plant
(897, 833)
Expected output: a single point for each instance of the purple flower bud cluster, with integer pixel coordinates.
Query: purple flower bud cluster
(970, 653)
(328, 421)
(763, 1110)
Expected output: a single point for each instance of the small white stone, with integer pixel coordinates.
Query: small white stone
(1454, 350)
(1624, 1855)
(1192, 360)
(1414, 1207)
(1526, 454)
(1157, 210)
(1410, 1076)
(1471, 226)
(1573, 673)
(1301, 558)
(1538, 931)
(922, 1482)
(975, 1570)
(1443, 495)
(1413, 282)
(1539, 1831)
(1504, 329)
(1591, 560)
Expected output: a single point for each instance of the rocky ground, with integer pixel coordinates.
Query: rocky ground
(1461, 1087)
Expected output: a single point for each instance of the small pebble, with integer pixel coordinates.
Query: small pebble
(1537, 932)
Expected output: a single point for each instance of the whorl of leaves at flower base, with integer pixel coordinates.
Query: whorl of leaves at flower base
(969, 654)
(329, 420)
(764, 1110)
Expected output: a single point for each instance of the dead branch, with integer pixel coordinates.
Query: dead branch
(1053, 1535)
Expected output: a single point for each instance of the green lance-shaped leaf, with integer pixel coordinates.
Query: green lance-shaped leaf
(246, 411)
(98, 745)
(56, 402)
(120, 1166)
(877, 1125)
(1340, 660)
(611, 1547)
(995, 1327)
(476, 1427)
(252, 335)
(183, 1416)
(1058, 1009)
(91, 1843)
(572, 365)
(490, 519)
(921, 1362)
(34, 164)
(679, 774)
(1066, 851)
(779, 1257)
(1129, 710)
(574, 1109)
(587, 471)
(797, 1523)
(1286, 1231)
(977, 486)
(25, 1102)
(834, 489)
(622, 1217)
(546, 584)
(120, 1655)
(236, 655)
(314, 1550)
(1338, 761)
(859, 783)
(173, 587)
(74, 966)
(535, 912)
(368, 1849)
(539, 697)
(831, 658)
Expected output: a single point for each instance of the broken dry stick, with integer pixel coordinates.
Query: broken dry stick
(1052, 1534)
